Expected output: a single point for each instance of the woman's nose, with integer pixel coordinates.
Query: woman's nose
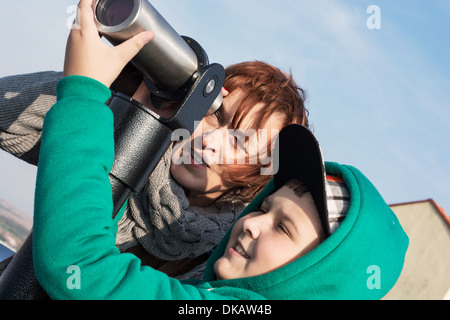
(212, 138)
(212, 145)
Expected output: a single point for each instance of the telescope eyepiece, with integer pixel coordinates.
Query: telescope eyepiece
(167, 60)
(113, 12)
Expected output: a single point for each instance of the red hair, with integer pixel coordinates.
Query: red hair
(261, 83)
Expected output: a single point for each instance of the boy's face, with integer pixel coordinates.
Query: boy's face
(285, 228)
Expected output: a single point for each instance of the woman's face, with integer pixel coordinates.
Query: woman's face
(214, 148)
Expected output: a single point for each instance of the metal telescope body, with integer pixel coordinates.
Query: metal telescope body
(175, 68)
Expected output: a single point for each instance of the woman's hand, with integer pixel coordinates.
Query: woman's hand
(87, 55)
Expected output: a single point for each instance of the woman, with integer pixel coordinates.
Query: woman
(175, 222)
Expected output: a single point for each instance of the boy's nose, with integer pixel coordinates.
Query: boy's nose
(254, 225)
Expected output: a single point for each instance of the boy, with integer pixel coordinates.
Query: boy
(272, 252)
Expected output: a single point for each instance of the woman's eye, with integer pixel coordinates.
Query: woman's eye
(241, 144)
(218, 115)
(214, 119)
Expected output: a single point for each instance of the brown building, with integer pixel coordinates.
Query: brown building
(426, 274)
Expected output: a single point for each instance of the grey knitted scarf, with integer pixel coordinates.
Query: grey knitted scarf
(161, 220)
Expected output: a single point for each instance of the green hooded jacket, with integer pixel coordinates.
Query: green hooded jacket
(74, 250)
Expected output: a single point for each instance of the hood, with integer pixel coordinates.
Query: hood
(362, 259)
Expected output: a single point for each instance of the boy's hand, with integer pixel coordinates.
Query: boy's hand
(87, 55)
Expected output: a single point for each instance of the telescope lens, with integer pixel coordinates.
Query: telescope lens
(113, 12)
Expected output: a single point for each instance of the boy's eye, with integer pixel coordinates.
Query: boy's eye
(260, 209)
(283, 229)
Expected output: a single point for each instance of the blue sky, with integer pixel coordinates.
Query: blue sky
(378, 99)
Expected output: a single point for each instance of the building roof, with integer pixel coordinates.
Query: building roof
(438, 208)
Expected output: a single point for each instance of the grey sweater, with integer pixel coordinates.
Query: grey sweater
(24, 101)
